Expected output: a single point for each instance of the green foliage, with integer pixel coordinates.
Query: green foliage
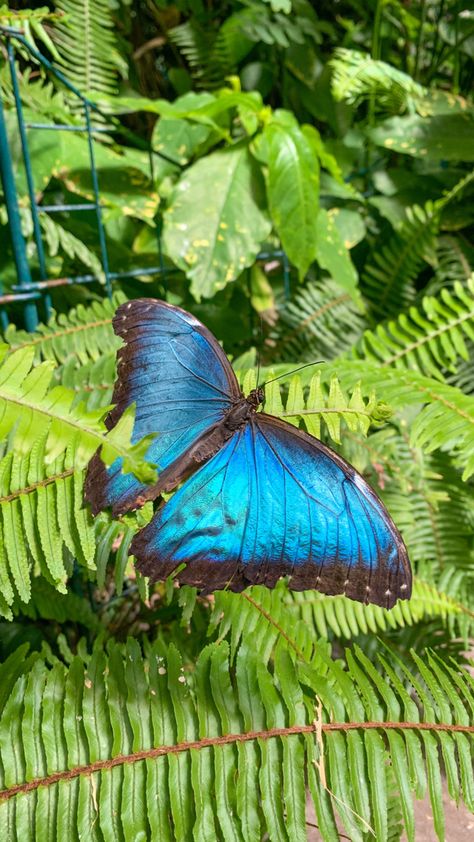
(31, 410)
(446, 415)
(226, 233)
(332, 253)
(357, 76)
(345, 140)
(263, 617)
(43, 523)
(82, 335)
(76, 742)
(293, 187)
(329, 405)
(430, 338)
(32, 25)
(319, 321)
(87, 45)
(441, 136)
(395, 262)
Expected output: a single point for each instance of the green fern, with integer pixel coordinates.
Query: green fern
(429, 338)
(429, 502)
(446, 419)
(454, 262)
(463, 377)
(29, 410)
(40, 96)
(395, 262)
(92, 382)
(319, 321)
(260, 617)
(43, 524)
(92, 743)
(356, 77)
(31, 24)
(87, 45)
(214, 52)
(82, 334)
(330, 405)
(209, 52)
(47, 604)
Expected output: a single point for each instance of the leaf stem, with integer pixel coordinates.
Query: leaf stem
(226, 739)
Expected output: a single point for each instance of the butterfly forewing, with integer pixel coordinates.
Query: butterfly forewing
(175, 372)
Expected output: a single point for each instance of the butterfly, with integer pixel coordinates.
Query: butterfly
(258, 499)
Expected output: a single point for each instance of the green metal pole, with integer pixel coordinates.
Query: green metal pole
(11, 201)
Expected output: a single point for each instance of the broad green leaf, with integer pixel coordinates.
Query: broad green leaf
(293, 191)
(332, 253)
(350, 225)
(446, 137)
(178, 138)
(215, 224)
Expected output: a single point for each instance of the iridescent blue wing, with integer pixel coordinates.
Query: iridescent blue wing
(273, 502)
(181, 382)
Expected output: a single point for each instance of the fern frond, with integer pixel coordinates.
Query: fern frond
(330, 405)
(59, 239)
(40, 96)
(446, 420)
(394, 262)
(428, 338)
(196, 44)
(454, 262)
(43, 524)
(213, 53)
(320, 321)
(463, 377)
(82, 334)
(94, 742)
(356, 77)
(30, 409)
(46, 530)
(31, 22)
(429, 502)
(92, 382)
(260, 617)
(437, 524)
(87, 45)
(47, 604)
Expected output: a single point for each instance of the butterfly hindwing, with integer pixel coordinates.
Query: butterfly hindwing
(272, 502)
(174, 371)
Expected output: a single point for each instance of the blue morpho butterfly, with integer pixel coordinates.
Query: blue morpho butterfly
(261, 499)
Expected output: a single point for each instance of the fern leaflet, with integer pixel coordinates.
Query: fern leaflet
(428, 338)
(356, 76)
(92, 743)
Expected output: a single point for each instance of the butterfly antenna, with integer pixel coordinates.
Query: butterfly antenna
(259, 349)
(293, 371)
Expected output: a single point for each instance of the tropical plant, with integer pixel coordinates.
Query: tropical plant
(310, 199)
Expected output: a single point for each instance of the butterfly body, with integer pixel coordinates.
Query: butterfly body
(258, 498)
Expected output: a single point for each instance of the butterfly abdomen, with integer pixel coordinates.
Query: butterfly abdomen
(234, 419)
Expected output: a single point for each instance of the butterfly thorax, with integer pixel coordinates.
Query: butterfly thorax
(239, 414)
(256, 397)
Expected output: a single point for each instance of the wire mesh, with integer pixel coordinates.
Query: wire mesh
(34, 293)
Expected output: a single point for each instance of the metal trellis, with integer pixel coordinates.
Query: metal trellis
(28, 290)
